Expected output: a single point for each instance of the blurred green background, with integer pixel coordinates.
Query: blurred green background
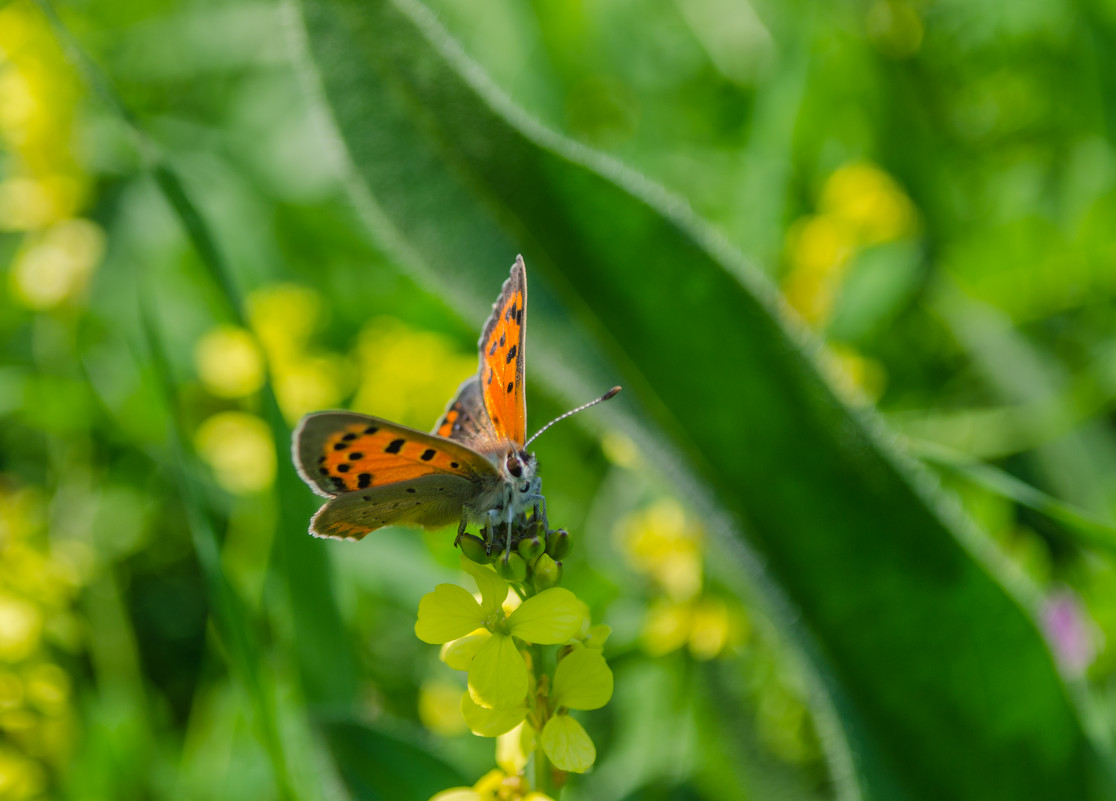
(892, 581)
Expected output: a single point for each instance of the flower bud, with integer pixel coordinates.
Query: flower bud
(474, 549)
(530, 548)
(558, 544)
(548, 573)
(514, 569)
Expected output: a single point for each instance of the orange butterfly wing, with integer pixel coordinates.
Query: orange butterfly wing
(378, 473)
(502, 359)
(339, 452)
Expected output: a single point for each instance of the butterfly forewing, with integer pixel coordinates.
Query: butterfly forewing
(339, 452)
(502, 359)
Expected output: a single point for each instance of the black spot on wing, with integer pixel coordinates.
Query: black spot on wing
(511, 354)
(343, 468)
(410, 489)
(339, 446)
(454, 465)
(364, 481)
(395, 446)
(355, 455)
(428, 454)
(511, 386)
(338, 483)
(371, 430)
(349, 437)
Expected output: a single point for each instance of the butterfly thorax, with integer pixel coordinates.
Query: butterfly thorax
(514, 492)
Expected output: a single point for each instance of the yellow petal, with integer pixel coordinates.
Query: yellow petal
(567, 745)
(493, 589)
(457, 794)
(490, 722)
(514, 748)
(582, 680)
(549, 618)
(597, 636)
(446, 614)
(459, 653)
(498, 677)
(490, 783)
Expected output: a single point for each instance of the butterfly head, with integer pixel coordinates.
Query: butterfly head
(520, 467)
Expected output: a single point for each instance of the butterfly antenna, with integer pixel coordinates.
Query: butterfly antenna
(611, 393)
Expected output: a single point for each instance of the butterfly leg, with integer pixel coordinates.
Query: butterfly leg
(460, 529)
(540, 512)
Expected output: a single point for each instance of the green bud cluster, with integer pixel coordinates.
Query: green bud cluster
(535, 556)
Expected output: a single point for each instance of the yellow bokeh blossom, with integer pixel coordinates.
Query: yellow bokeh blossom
(439, 708)
(857, 378)
(860, 206)
(229, 362)
(54, 264)
(37, 593)
(663, 543)
(239, 448)
(42, 185)
(870, 202)
(283, 318)
(407, 375)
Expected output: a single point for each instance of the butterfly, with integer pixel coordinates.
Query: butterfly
(474, 466)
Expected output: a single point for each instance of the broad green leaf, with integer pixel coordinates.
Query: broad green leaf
(936, 671)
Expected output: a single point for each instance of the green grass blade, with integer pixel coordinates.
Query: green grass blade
(942, 681)
(1087, 528)
(231, 611)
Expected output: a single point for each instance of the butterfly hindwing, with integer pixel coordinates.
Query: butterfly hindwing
(341, 452)
(502, 359)
(432, 500)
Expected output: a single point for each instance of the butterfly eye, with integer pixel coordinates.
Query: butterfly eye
(515, 467)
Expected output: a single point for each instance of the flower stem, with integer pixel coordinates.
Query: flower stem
(544, 776)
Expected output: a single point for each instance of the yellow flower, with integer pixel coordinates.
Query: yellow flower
(496, 785)
(497, 673)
